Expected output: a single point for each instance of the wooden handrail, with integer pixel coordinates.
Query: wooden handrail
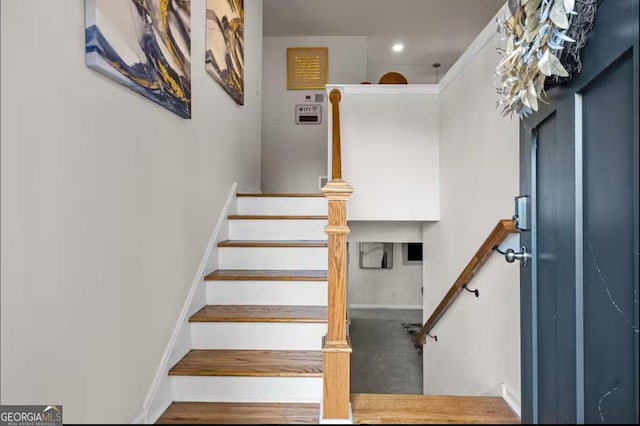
(336, 349)
(336, 158)
(499, 233)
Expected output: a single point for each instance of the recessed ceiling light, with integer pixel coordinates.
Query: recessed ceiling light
(398, 47)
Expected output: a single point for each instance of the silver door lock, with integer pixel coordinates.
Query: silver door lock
(510, 255)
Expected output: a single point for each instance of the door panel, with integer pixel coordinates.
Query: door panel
(547, 225)
(555, 271)
(579, 308)
(609, 292)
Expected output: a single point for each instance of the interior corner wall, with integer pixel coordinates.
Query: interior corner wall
(479, 176)
(294, 156)
(108, 203)
(397, 287)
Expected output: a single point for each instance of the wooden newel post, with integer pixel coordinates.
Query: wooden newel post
(336, 349)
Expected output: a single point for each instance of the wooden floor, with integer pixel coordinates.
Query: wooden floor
(260, 313)
(367, 409)
(256, 363)
(238, 413)
(425, 409)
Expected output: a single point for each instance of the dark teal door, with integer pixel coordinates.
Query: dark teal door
(579, 295)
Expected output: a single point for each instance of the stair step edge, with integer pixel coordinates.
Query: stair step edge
(261, 314)
(276, 217)
(267, 275)
(282, 195)
(274, 243)
(249, 363)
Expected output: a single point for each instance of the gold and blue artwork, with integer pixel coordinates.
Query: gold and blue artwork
(224, 56)
(144, 45)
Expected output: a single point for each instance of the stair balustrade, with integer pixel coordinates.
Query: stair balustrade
(336, 348)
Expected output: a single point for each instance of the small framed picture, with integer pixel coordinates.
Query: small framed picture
(307, 68)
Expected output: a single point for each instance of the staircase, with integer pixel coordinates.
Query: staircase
(256, 354)
(256, 345)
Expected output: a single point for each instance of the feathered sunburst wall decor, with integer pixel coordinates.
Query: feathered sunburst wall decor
(542, 42)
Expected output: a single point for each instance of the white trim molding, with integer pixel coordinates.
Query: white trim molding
(512, 398)
(487, 34)
(506, 392)
(474, 48)
(159, 396)
(385, 89)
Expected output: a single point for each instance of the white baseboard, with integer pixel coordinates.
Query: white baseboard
(385, 306)
(507, 393)
(497, 390)
(160, 394)
(512, 398)
(348, 421)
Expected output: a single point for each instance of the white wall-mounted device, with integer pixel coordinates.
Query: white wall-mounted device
(308, 114)
(521, 216)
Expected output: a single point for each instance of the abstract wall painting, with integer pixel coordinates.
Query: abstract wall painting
(225, 45)
(144, 45)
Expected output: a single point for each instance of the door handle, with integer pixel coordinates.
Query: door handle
(510, 255)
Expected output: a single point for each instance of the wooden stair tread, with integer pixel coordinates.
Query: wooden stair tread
(273, 243)
(423, 409)
(283, 195)
(260, 313)
(254, 363)
(240, 413)
(274, 217)
(267, 275)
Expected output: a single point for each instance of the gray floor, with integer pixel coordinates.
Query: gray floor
(384, 359)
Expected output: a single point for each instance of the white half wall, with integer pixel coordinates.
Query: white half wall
(294, 155)
(479, 177)
(389, 145)
(108, 202)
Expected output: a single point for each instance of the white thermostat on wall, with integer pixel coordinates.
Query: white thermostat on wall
(309, 114)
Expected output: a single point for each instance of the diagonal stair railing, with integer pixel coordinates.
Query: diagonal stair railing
(497, 235)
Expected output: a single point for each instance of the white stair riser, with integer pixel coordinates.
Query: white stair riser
(297, 206)
(267, 293)
(283, 229)
(273, 257)
(257, 335)
(246, 389)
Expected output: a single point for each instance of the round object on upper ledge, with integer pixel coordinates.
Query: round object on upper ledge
(366, 82)
(393, 78)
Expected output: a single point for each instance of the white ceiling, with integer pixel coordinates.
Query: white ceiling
(432, 30)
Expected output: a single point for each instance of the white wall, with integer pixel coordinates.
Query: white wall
(389, 145)
(108, 203)
(294, 156)
(415, 74)
(478, 339)
(396, 287)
